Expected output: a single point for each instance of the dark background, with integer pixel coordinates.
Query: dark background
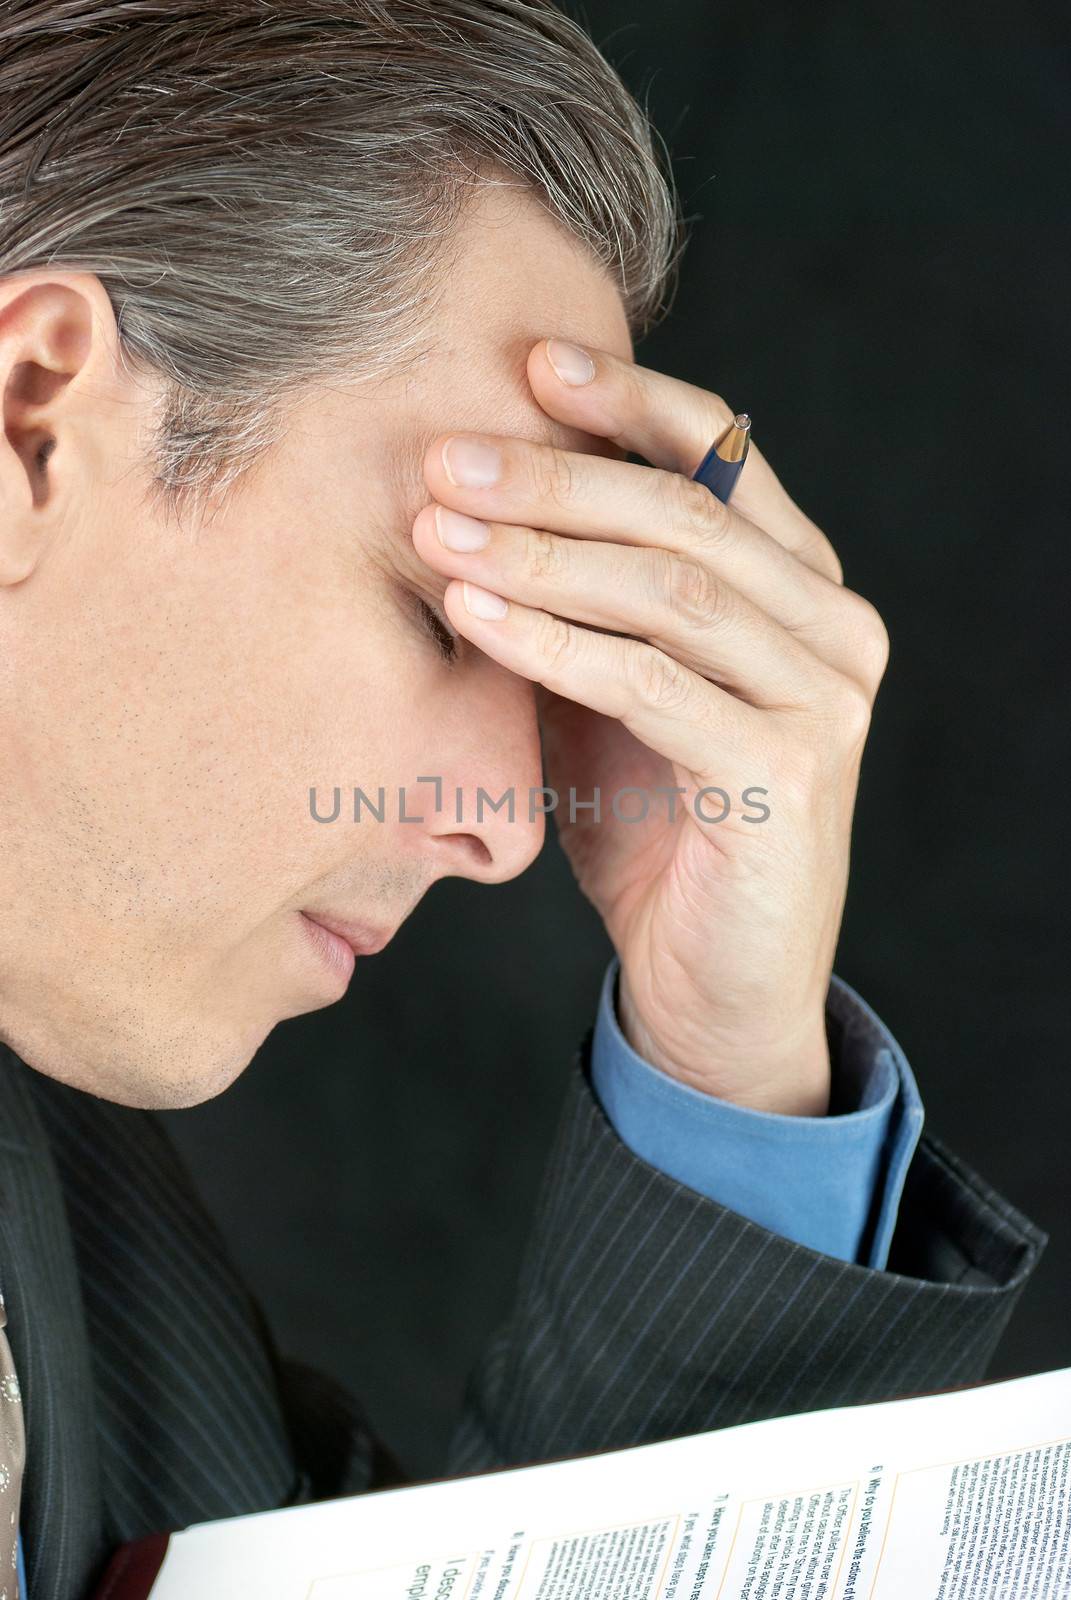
(878, 272)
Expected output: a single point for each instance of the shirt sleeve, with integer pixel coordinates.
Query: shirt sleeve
(832, 1183)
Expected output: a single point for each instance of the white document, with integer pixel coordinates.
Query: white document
(961, 1496)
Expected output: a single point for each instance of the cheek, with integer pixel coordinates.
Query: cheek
(184, 701)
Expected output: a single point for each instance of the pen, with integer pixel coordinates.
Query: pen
(723, 462)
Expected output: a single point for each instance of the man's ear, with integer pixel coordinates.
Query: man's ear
(58, 347)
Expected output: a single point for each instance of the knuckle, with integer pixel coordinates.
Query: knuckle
(826, 559)
(558, 643)
(662, 681)
(691, 507)
(555, 476)
(635, 388)
(546, 557)
(691, 590)
(873, 640)
(853, 712)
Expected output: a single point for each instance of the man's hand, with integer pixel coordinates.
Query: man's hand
(682, 645)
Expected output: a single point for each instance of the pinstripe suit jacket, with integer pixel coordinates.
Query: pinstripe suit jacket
(154, 1396)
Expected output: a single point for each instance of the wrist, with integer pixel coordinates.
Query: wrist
(787, 1072)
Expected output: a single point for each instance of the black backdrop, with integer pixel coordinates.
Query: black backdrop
(878, 272)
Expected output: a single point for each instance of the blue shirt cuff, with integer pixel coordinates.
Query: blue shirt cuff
(832, 1183)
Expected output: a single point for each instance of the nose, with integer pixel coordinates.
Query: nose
(485, 819)
(489, 851)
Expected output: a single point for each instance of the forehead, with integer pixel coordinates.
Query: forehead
(510, 276)
(487, 392)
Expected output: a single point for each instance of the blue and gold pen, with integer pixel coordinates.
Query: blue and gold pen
(724, 461)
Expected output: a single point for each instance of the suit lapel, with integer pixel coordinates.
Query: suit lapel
(61, 1516)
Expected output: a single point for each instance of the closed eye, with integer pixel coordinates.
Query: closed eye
(444, 635)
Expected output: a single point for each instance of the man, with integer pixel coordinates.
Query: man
(316, 353)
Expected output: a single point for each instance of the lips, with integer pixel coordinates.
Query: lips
(363, 938)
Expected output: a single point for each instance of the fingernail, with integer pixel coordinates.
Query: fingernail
(573, 365)
(482, 603)
(458, 532)
(470, 463)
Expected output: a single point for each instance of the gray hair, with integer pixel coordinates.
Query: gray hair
(262, 184)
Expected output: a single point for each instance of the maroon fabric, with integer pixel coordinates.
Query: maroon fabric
(133, 1569)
